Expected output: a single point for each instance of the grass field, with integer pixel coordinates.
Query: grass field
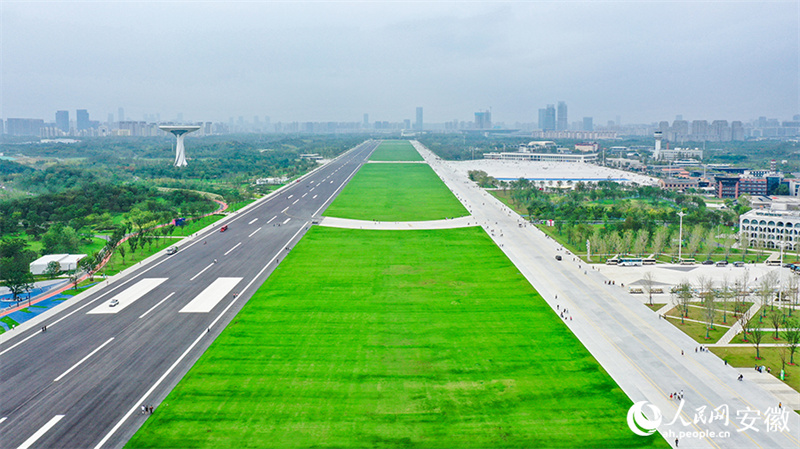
(395, 339)
(395, 150)
(746, 358)
(396, 192)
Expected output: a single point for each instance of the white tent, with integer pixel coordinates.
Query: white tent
(68, 262)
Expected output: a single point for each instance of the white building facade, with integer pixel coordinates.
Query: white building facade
(770, 229)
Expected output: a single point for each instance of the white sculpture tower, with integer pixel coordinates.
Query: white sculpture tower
(180, 132)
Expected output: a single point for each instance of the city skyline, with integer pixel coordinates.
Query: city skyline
(645, 61)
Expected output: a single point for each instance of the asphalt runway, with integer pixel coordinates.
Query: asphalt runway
(81, 383)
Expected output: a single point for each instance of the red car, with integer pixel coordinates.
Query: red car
(223, 229)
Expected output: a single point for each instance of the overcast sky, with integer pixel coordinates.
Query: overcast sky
(334, 61)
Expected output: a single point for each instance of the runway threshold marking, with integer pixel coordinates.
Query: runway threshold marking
(201, 272)
(287, 220)
(159, 303)
(128, 296)
(211, 296)
(83, 360)
(253, 233)
(234, 247)
(253, 220)
(42, 430)
(270, 220)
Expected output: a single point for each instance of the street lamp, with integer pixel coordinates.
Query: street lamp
(680, 236)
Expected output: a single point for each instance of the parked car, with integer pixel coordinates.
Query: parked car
(223, 229)
(172, 250)
(113, 303)
(738, 264)
(722, 263)
(558, 257)
(708, 262)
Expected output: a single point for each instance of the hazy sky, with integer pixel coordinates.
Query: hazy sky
(319, 61)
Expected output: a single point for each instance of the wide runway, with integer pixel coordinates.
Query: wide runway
(81, 384)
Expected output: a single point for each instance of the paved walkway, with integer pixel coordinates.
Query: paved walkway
(648, 358)
(737, 327)
(450, 223)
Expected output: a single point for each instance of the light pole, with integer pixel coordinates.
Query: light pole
(680, 236)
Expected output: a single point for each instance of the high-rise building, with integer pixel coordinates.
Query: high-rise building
(365, 122)
(418, 123)
(483, 120)
(699, 129)
(562, 123)
(120, 115)
(24, 126)
(737, 131)
(547, 118)
(82, 119)
(62, 121)
(587, 124)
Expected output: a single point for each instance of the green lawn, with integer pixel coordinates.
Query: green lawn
(395, 150)
(117, 264)
(395, 339)
(396, 192)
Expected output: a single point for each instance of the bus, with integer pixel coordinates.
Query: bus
(613, 261)
(630, 262)
(773, 262)
(650, 260)
(688, 261)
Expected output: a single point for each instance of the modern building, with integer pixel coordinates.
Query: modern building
(541, 157)
(418, 124)
(727, 186)
(483, 120)
(62, 121)
(121, 115)
(587, 147)
(24, 126)
(679, 184)
(587, 124)
(752, 186)
(561, 123)
(770, 229)
(547, 118)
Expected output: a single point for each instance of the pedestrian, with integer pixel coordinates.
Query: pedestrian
(670, 395)
(695, 349)
(151, 409)
(142, 409)
(780, 405)
(681, 351)
(676, 442)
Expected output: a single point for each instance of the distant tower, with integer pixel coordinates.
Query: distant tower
(180, 132)
(62, 121)
(657, 152)
(418, 123)
(562, 123)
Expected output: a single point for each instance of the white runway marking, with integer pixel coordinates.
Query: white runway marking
(252, 233)
(295, 201)
(289, 197)
(159, 303)
(287, 220)
(83, 360)
(312, 189)
(235, 246)
(3, 419)
(270, 220)
(201, 272)
(287, 208)
(331, 182)
(211, 296)
(253, 220)
(304, 195)
(313, 197)
(128, 296)
(29, 442)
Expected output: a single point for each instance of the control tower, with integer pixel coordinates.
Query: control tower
(180, 132)
(657, 153)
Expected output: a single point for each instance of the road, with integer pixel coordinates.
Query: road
(82, 382)
(647, 357)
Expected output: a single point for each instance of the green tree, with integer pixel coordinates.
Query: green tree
(15, 261)
(53, 269)
(791, 332)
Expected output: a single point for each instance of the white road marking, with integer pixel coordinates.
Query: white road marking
(83, 360)
(159, 303)
(253, 220)
(3, 419)
(29, 442)
(287, 220)
(270, 220)
(331, 182)
(295, 201)
(313, 197)
(128, 296)
(287, 208)
(304, 195)
(312, 189)
(234, 247)
(252, 233)
(177, 362)
(201, 272)
(211, 296)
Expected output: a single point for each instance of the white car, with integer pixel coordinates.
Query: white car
(113, 303)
